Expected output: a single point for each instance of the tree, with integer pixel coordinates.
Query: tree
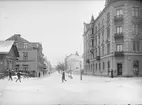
(48, 64)
(60, 66)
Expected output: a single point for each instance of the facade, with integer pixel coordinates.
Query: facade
(74, 63)
(8, 56)
(113, 41)
(30, 55)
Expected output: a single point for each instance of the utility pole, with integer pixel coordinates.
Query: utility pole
(80, 72)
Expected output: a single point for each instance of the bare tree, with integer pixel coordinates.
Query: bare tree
(60, 66)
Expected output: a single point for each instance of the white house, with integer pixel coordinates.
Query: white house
(74, 63)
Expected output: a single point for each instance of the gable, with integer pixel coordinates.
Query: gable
(13, 51)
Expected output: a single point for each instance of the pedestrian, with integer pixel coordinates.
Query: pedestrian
(63, 76)
(18, 77)
(39, 74)
(111, 73)
(10, 75)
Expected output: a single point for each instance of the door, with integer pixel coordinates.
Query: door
(119, 68)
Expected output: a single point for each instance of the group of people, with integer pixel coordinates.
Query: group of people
(18, 76)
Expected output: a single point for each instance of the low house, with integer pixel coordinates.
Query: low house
(8, 56)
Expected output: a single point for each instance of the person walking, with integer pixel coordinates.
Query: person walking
(111, 73)
(63, 76)
(39, 74)
(18, 77)
(10, 75)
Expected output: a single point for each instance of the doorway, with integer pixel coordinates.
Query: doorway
(119, 69)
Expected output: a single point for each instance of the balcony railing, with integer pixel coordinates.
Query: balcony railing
(118, 18)
(98, 58)
(118, 36)
(118, 53)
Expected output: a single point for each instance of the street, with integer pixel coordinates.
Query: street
(89, 90)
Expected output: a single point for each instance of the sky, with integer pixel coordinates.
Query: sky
(58, 25)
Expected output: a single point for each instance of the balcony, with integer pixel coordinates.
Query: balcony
(98, 58)
(118, 18)
(118, 53)
(118, 36)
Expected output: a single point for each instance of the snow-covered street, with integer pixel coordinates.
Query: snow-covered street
(91, 90)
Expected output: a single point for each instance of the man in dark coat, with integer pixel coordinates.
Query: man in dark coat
(10, 75)
(18, 77)
(63, 76)
(39, 74)
(111, 73)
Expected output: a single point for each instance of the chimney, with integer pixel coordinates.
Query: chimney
(17, 35)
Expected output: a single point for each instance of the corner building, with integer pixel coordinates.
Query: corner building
(114, 40)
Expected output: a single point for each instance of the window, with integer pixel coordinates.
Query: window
(17, 45)
(25, 45)
(99, 26)
(92, 42)
(99, 37)
(119, 29)
(102, 35)
(102, 22)
(96, 29)
(99, 50)
(136, 67)
(96, 52)
(103, 50)
(135, 29)
(108, 48)
(119, 12)
(135, 11)
(108, 17)
(108, 65)
(136, 45)
(103, 65)
(108, 32)
(119, 47)
(25, 67)
(99, 66)
(92, 30)
(25, 55)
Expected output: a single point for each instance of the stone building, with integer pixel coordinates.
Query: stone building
(113, 41)
(30, 56)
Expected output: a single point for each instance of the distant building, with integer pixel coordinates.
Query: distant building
(113, 41)
(8, 56)
(74, 63)
(30, 59)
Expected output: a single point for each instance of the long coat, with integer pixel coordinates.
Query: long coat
(63, 75)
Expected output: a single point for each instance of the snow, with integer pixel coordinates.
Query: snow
(90, 90)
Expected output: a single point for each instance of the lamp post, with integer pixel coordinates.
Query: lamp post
(80, 72)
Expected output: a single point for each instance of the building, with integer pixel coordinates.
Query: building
(30, 59)
(74, 63)
(8, 56)
(37, 47)
(113, 41)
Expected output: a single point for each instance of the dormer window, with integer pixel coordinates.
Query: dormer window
(25, 45)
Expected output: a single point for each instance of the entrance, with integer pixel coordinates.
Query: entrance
(119, 68)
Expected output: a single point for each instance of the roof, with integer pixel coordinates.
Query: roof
(18, 38)
(5, 46)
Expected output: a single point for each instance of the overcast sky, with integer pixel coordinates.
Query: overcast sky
(58, 25)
